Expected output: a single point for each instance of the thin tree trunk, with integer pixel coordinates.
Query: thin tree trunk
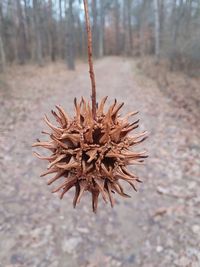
(143, 25)
(51, 33)
(162, 21)
(174, 35)
(117, 28)
(130, 25)
(128, 37)
(12, 40)
(157, 30)
(2, 55)
(176, 21)
(101, 28)
(2, 52)
(95, 32)
(22, 40)
(39, 57)
(70, 55)
(60, 30)
(27, 24)
(79, 37)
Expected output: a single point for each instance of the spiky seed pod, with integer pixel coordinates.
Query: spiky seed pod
(92, 155)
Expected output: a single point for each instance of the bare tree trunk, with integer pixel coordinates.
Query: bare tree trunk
(2, 52)
(157, 30)
(101, 28)
(70, 55)
(130, 24)
(176, 21)
(60, 10)
(61, 52)
(117, 27)
(2, 55)
(128, 36)
(51, 33)
(95, 31)
(27, 24)
(39, 57)
(188, 18)
(80, 37)
(11, 45)
(162, 21)
(143, 25)
(22, 41)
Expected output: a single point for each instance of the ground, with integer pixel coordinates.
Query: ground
(157, 227)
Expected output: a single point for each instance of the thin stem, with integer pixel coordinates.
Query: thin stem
(90, 61)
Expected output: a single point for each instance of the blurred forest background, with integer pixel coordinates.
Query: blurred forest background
(50, 30)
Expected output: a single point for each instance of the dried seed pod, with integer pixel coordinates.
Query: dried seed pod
(92, 154)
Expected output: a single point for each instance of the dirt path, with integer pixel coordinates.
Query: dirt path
(158, 226)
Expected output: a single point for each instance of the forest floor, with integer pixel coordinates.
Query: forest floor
(158, 227)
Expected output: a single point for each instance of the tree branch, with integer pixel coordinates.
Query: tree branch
(90, 61)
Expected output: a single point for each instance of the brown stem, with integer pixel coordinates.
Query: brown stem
(90, 61)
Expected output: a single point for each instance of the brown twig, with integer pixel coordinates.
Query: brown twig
(90, 61)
